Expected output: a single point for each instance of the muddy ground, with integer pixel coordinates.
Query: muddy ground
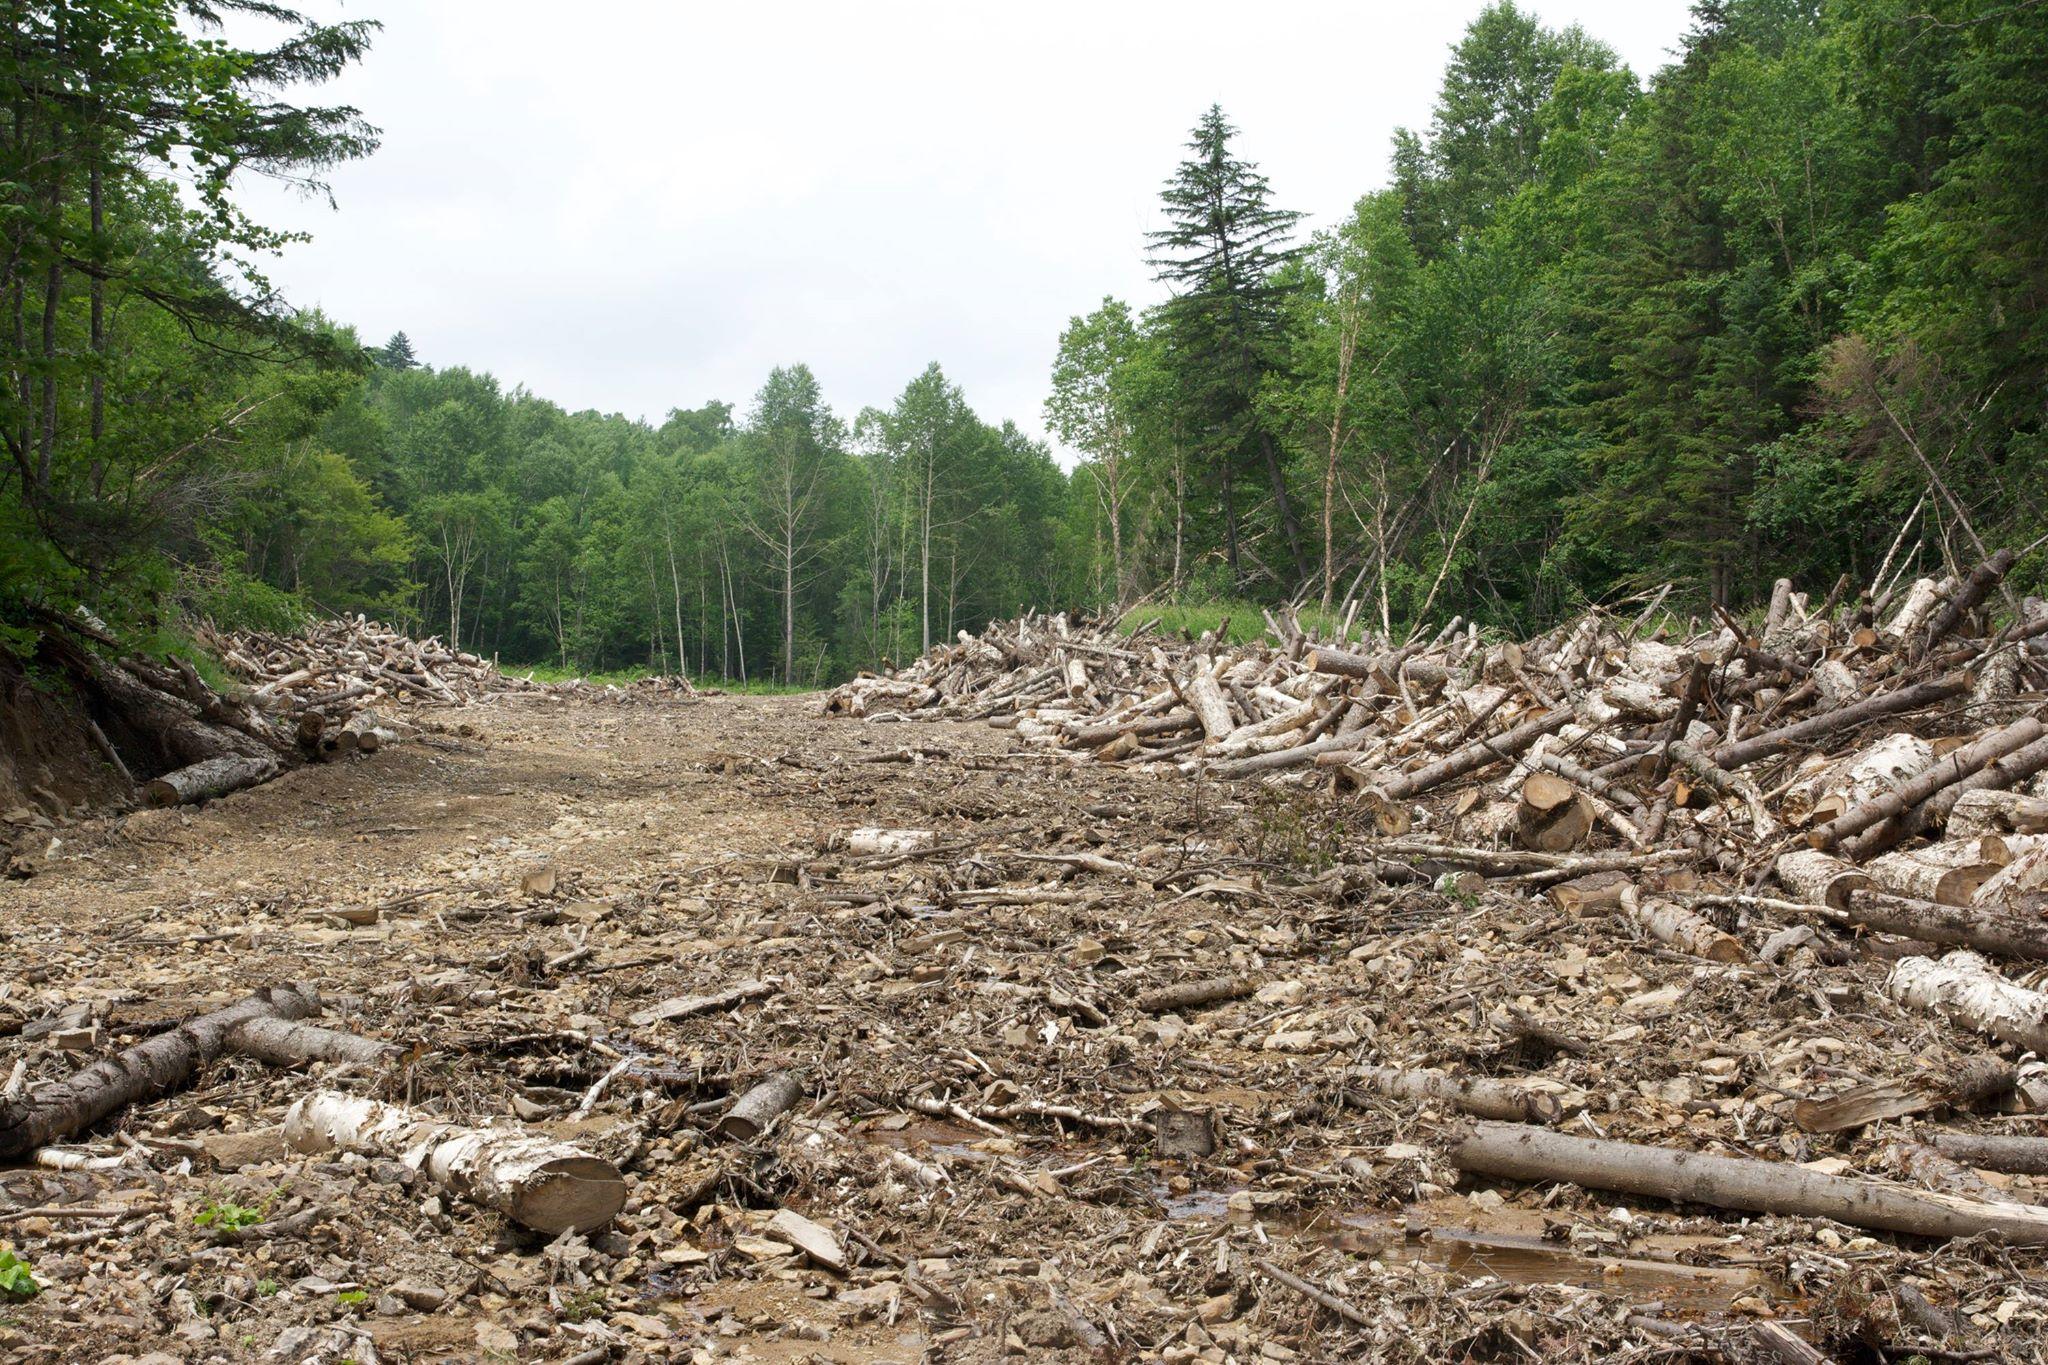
(540, 870)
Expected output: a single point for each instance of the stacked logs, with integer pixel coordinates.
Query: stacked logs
(1886, 759)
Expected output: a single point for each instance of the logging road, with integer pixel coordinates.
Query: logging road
(557, 884)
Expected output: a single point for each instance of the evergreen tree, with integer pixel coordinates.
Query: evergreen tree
(1221, 252)
(397, 353)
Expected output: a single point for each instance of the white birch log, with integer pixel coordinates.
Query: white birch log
(1963, 987)
(884, 841)
(210, 778)
(1983, 812)
(1684, 930)
(1206, 700)
(2025, 876)
(1949, 873)
(535, 1181)
(1861, 777)
(1819, 878)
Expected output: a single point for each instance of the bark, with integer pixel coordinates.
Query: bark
(210, 778)
(1721, 782)
(1910, 792)
(287, 1042)
(1195, 994)
(1949, 873)
(152, 1067)
(535, 1181)
(1986, 928)
(1964, 987)
(1973, 590)
(1978, 1081)
(1862, 777)
(1480, 1096)
(751, 1114)
(1521, 1152)
(1743, 752)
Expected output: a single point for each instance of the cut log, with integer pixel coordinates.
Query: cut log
(1975, 585)
(1993, 1152)
(1685, 931)
(152, 1067)
(1848, 783)
(535, 1181)
(1989, 929)
(1206, 700)
(751, 1114)
(1552, 815)
(1187, 995)
(1522, 1152)
(2000, 775)
(1965, 988)
(287, 1042)
(1978, 1081)
(1949, 873)
(1997, 812)
(1908, 792)
(1704, 772)
(2020, 883)
(876, 842)
(1910, 698)
(1594, 891)
(1819, 879)
(1479, 1096)
(209, 778)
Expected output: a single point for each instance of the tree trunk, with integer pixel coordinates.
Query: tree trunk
(152, 1067)
(1963, 987)
(1520, 1152)
(535, 1181)
(751, 1114)
(209, 778)
(1949, 873)
(1552, 816)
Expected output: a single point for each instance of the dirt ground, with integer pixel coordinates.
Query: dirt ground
(979, 1082)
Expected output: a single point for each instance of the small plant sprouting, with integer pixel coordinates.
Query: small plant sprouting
(353, 1297)
(227, 1216)
(15, 1280)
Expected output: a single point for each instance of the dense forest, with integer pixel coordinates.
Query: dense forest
(1775, 309)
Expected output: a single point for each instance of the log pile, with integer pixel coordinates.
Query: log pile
(1847, 729)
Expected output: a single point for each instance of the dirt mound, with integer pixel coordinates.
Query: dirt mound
(51, 765)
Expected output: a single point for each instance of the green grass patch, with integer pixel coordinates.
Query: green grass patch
(623, 677)
(1246, 626)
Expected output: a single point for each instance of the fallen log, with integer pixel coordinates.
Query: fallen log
(1522, 1152)
(1818, 879)
(1971, 758)
(1479, 1096)
(1552, 816)
(1978, 1081)
(1987, 929)
(152, 1067)
(1685, 931)
(1964, 987)
(1777, 741)
(535, 1181)
(751, 1114)
(280, 1041)
(1186, 995)
(684, 1006)
(210, 778)
(1995, 1152)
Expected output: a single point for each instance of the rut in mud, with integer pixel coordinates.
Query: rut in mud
(995, 1150)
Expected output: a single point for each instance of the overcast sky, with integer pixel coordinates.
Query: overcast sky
(634, 205)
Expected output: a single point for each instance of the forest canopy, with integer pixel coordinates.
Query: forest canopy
(1748, 317)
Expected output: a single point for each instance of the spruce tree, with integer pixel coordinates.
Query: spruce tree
(1221, 253)
(398, 353)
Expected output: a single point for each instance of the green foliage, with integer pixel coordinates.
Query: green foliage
(16, 1281)
(352, 1298)
(223, 1215)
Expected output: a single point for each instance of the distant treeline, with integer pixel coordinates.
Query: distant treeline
(1747, 320)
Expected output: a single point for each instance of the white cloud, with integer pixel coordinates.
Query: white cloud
(633, 205)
